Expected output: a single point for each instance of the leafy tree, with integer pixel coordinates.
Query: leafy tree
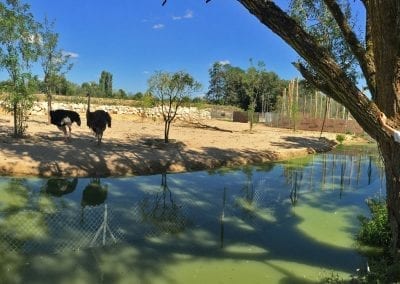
(228, 87)
(253, 87)
(18, 49)
(137, 96)
(272, 87)
(121, 94)
(148, 100)
(53, 61)
(235, 93)
(216, 90)
(36, 83)
(317, 20)
(378, 58)
(105, 83)
(171, 89)
(92, 88)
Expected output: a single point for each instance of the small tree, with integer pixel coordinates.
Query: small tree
(254, 86)
(105, 83)
(171, 89)
(18, 49)
(54, 62)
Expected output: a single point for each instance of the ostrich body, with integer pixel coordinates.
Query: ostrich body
(97, 121)
(63, 119)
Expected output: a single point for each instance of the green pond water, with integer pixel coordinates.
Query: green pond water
(290, 222)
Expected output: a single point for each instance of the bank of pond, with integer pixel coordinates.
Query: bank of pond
(287, 222)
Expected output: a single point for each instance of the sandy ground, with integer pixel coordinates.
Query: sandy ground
(135, 147)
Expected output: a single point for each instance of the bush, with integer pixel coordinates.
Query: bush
(375, 231)
(340, 138)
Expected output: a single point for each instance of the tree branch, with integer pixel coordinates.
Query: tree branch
(306, 46)
(366, 62)
(367, 112)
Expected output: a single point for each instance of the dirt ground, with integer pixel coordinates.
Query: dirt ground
(135, 147)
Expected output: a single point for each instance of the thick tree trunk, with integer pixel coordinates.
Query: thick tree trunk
(390, 151)
(379, 60)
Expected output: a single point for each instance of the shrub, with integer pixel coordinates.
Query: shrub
(340, 138)
(375, 231)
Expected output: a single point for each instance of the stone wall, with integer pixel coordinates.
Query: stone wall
(184, 113)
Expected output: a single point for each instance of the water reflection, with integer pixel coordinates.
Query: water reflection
(60, 186)
(94, 193)
(160, 210)
(293, 216)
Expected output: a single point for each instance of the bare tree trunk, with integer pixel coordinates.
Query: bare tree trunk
(323, 122)
(167, 125)
(316, 104)
(15, 109)
(48, 107)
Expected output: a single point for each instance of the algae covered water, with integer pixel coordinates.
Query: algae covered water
(291, 222)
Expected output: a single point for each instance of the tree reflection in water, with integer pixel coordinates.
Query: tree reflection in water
(248, 208)
(161, 211)
(246, 202)
(19, 211)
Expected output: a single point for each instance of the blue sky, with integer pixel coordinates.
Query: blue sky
(132, 39)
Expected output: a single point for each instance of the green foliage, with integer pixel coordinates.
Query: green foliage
(340, 138)
(375, 231)
(382, 269)
(295, 114)
(148, 100)
(19, 100)
(92, 88)
(315, 17)
(55, 63)
(332, 278)
(216, 92)
(171, 89)
(229, 85)
(120, 94)
(105, 84)
(252, 85)
(19, 47)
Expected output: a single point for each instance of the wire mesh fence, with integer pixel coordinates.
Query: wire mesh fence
(87, 226)
(253, 198)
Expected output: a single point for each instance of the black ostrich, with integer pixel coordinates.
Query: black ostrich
(63, 119)
(97, 121)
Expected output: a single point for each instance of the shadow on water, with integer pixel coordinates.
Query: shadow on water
(253, 220)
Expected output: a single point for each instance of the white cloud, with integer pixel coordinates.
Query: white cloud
(70, 54)
(188, 15)
(146, 72)
(224, 62)
(158, 26)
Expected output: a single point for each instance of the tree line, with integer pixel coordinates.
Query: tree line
(252, 89)
(25, 41)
